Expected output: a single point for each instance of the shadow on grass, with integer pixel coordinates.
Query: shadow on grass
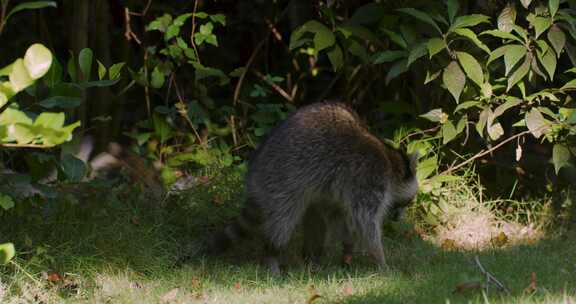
(110, 232)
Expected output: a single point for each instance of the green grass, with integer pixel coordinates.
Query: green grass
(120, 247)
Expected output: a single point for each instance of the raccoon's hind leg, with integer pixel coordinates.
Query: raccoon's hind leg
(278, 227)
(315, 230)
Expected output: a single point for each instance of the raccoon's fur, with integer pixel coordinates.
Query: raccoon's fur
(322, 168)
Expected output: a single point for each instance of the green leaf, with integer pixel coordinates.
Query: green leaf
(560, 157)
(6, 203)
(19, 77)
(513, 54)
(508, 104)
(162, 129)
(50, 120)
(549, 61)
(396, 38)
(64, 102)
(431, 76)
(174, 30)
(179, 21)
(501, 34)
(497, 53)
(435, 115)
(421, 16)
(396, 69)
(71, 68)
(218, 18)
(323, 36)
(467, 104)
(336, 57)
(435, 45)
(85, 62)
(12, 116)
(367, 14)
(22, 133)
(160, 24)
(482, 121)
(388, 56)
(471, 67)
(557, 39)
(535, 122)
(30, 6)
(454, 79)
(101, 70)
(553, 5)
(99, 83)
(507, 18)
(3, 99)
(157, 79)
(115, 69)
(452, 6)
(7, 252)
(469, 20)
(37, 60)
(448, 132)
(519, 74)
(464, 32)
(73, 168)
(540, 24)
(417, 52)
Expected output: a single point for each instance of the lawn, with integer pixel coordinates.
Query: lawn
(118, 245)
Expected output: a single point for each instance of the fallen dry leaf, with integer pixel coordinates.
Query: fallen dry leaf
(237, 286)
(53, 277)
(217, 200)
(347, 289)
(500, 240)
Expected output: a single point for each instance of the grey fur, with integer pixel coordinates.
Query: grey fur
(323, 168)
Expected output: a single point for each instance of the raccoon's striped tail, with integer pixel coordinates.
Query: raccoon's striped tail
(245, 226)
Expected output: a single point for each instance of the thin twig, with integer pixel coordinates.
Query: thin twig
(246, 68)
(128, 33)
(484, 152)
(489, 277)
(274, 86)
(194, 31)
(35, 146)
(184, 113)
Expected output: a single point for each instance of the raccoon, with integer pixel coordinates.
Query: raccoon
(322, 168)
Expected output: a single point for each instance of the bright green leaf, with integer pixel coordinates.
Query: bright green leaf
(464, 32)
(218, 18)
(467, 104)
(513, 54)
(115, 69)
(471, 67)
(508, 104)
(396, 38)
(469, 20)
(501, 34)
(101, 70)
(7, 252)
(37, 60)
(448, 132)
(50, 120)
(553, 6)
(435, 45)
(454, 79)
(541, 24)
(435, 115)
(19, 77)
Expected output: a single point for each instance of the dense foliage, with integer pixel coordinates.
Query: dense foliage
(197, 85)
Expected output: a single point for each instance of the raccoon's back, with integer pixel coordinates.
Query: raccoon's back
(315, 145)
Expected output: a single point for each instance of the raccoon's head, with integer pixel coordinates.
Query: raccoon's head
(407, 187)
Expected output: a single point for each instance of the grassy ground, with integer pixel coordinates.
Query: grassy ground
(120, 247)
